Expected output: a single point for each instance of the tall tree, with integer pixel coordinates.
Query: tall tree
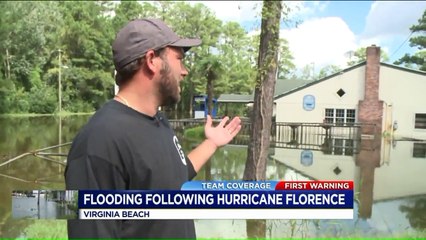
(418, 41)
(195, 21)
(234, 51)
(86, 44)
(126, 11)
(26, 36)
(261, 118)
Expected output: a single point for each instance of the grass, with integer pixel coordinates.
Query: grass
(47, 229)
(57, 229)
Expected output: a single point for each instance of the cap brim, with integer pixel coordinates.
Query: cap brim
(186, 43)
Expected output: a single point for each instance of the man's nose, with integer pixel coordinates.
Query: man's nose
(184, 71)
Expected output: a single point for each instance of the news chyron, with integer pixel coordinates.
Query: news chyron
(224, 200)
(195, 200)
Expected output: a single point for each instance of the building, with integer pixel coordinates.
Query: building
(371, 92)
(390, 98)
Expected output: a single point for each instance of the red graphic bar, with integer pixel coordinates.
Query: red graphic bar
(315, 185)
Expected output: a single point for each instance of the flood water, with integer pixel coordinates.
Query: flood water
(389, 178)
(38, 208)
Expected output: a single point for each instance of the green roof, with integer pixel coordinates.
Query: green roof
(281, 86)
(235, 98)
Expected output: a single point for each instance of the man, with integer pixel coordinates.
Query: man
(128, 144)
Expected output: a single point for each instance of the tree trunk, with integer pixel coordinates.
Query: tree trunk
(261, 118)
(191, 99)
(7, 64)
(209, 94)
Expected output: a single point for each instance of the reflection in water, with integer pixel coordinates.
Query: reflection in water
(390, 183)
(21, 135)
(416, 212)
(27, 207)
(256, 228)
(368, 159)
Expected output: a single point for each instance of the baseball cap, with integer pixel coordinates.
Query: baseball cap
(141, 35)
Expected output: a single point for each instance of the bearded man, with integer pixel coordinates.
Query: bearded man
(129, 145)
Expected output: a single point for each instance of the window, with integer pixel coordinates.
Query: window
(419, 150)
(420, 121)
(341, 92)
(329, 115)
(344, 147)
(340, 116)
(350, 115)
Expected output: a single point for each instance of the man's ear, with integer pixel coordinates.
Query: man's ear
(152, 61)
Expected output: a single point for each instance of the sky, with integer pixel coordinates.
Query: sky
(328, 30)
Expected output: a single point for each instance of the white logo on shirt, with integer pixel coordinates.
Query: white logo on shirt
(179, 149)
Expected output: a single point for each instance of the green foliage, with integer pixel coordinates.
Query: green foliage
(38, 40)
(43, 99)
(328, 70)
(419, 41)
(195, 133)
(360, 55)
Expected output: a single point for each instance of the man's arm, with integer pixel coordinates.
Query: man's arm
(216, 137)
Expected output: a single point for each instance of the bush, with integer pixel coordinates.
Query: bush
(194, 133)
(43, 99)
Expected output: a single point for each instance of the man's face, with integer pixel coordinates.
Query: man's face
(171, 74)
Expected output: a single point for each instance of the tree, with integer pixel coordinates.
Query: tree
(27, 34)
(261, 118)
(285, 59)
(195, 21)
(420, 42)
(236, 58)
(328, 70)
(124, 12)
(360, 55)
(86, 44)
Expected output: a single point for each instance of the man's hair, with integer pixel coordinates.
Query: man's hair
(127, 72)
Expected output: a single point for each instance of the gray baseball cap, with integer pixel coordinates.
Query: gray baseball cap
(141, 35)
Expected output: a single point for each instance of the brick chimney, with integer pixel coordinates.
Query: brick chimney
(370, 110)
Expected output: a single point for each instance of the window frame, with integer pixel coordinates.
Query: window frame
(340, 116)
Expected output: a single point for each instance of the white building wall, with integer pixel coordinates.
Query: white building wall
(290, 107)
(405, 92)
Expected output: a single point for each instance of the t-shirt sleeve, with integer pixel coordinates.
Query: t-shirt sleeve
(93, 173)
(191, 171)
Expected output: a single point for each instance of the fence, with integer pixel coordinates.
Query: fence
(319, 136)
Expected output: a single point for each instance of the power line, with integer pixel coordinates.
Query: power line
(411, 33)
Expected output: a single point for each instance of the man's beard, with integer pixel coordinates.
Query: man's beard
(169, 88)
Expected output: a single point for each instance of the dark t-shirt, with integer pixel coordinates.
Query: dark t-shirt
(120, 148)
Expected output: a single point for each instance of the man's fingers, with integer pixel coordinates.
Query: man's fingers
(209, 121)
(236, 121)
(223, 122)
(236, 131)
